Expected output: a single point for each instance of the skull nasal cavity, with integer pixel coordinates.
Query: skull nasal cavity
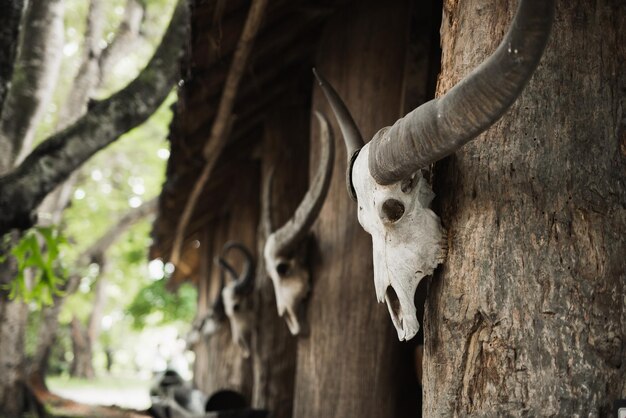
(393, 209)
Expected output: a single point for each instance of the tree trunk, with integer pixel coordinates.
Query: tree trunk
(9, 39)
(274, 348)
(352, 364)
(82, 365)
(12, 325)
(527, 317)
(34, 78)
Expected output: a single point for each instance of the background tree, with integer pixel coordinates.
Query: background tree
(38, 61)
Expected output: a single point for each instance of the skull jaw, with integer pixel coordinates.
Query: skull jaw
(243, 345)
(404, 318)
(240, 337)
(292, 322)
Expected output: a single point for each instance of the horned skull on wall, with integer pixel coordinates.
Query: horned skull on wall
(207, 324)
(285, 249)
(384, 175)
(235, 295)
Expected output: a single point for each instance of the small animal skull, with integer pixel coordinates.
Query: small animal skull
(285, 248)
(290, 278)
(383, 176)
(235, 296)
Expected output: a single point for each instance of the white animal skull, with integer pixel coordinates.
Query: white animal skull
(290, 278)
(407, 237)
(285, 248)
(239, 315)
(235, 296)
(408, 240)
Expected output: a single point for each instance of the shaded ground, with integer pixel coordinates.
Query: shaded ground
(58, 406)
(128, 393)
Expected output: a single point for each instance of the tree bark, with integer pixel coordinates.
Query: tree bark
(285, 152)
(12, 326)
(34, 78)
(9, 39)
(56, 158)
(527, 317)
(352, 364)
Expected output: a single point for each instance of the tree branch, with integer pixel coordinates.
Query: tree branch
(56, 158)
(126, 35)
(223, 119)
(99, 247)
(88, 74)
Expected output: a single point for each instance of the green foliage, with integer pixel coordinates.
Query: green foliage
(38, 251)
(155, 305)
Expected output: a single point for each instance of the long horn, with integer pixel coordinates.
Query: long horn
(350, 132)
(245, 281)
(294, 231)
(441, 126)
(266, 204)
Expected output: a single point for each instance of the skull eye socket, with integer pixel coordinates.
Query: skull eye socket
(282, 269)
(236, 307)
(393, 210)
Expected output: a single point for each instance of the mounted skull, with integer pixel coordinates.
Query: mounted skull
(235, 295)
(384, 175)
(209, 323)
(285, 248)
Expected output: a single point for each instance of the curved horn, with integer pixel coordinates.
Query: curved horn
(293, 232)
(441, 126)
(243, 283)
(266, 203)
(351, 134)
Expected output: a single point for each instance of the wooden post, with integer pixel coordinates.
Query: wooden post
(351, 364)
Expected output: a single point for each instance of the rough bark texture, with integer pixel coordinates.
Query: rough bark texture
(219, 363)
(528, 317)
(274, 348)
(34, 78)
(9, 37)
(12, 325)
(58, 156)
(351, 364)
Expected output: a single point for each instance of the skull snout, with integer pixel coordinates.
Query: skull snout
(402, 315)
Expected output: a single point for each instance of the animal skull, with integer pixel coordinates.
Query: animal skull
(383, 176)
(407, 237)
(235, 296)
(208, 324)
(285, 249)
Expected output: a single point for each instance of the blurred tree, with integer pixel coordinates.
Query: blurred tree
(26, 178)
